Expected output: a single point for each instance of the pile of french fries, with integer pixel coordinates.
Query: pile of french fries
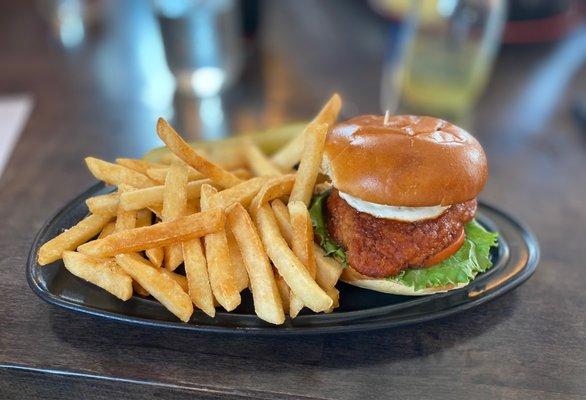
(232, 225)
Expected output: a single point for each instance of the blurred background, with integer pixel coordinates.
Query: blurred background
(222, 67)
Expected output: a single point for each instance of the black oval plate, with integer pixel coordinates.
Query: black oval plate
(515, 260)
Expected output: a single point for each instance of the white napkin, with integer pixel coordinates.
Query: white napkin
(14, 112)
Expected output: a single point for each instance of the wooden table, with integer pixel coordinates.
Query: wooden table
(99, 99)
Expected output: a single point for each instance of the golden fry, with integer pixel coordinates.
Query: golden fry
(283, 220)
(102, 272)
(174, 205)
(220, 270)
(158, 283)
(273, 189)
(288, 265)
(198, 282)
(241, 193)
(161, 234)
(303, 245)
(258, 162)
(114, 174)
(160, 174)
(328, 269)
(138, 165)
(125, 220)
(266, 297)
(143, 198)
(143, 218)
(335, 296)
(107, 229)
(240, 274)
(80, 233)
(156, 255)
(180, 279)
(231, 159)
(310, 162)
(185, 152)
(290, 154)
(105, 204)
(284, 292)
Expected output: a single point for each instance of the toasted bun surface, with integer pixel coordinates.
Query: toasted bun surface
(412, 161)
(352, 277)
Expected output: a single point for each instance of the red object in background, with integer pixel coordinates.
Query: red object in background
(546, 22)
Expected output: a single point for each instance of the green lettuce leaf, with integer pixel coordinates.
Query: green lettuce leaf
(316, 211)
(472, 258)
(462, 267)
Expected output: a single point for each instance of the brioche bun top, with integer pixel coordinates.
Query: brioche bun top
(411, 161)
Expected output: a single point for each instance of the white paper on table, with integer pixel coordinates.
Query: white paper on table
(14, 112)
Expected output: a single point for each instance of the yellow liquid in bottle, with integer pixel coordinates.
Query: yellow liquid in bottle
(442, 79)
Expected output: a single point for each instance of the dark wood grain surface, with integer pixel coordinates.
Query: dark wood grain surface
(528, 344)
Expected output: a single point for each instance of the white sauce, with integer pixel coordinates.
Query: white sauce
(406, 214)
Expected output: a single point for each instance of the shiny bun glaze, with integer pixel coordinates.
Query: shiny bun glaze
(412, 161)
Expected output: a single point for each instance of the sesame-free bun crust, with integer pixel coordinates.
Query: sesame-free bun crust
(412, 161)
(350, 276)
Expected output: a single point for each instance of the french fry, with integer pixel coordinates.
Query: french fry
(288, 265)
(125, 220)
(328, 270)
(192, 206)
(175, 193)
(240, 274)
(220, 270)
(310, 161)
(186, 153)
(152, 196)
(138, 165)
(241, 193)
(161, 286)
(273, 189)
(180, 279)
(198, 282)
(160, 174)
(80, 233)
(104, 273)
(229, 159)
(290, 154)
(267, 300)
(258, 162)
(302, 245)
(283, 220)
(161, 234)
(174, 204)
(335, 296)
(105, 204)
(114, 174)
(107, 229)
(284, 292)
(156, 255)
(143, 218)
(282, 217)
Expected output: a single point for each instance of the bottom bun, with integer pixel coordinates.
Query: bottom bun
(352, 277)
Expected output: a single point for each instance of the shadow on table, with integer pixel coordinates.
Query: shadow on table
(152, 349)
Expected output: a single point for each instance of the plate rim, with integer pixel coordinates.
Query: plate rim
(367, 323)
